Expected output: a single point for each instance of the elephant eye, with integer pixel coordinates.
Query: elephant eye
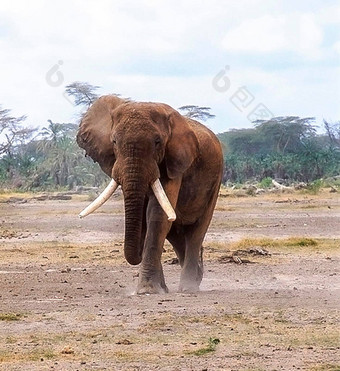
(158, 142)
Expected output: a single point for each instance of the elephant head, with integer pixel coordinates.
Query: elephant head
(137, 145)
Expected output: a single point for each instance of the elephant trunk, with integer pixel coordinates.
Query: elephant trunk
(136, 177)
(135, 185)
(134, 205)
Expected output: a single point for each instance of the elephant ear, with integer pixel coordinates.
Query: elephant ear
(182, 146)
(95, 130)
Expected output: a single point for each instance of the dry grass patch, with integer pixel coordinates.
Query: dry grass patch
(6, 195)
(221, 207)
(263, 248)
(236, 330)
(247, 243)
(33, 355)
(43, 346)
(293, 200)
(325, 367)
(61, 253)
(291, 245)
(8, 233)
(177, 335)
(10, 317)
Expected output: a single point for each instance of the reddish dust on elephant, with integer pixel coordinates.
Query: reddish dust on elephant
(169, 168)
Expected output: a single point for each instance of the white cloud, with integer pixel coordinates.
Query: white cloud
(165, 51)
(336, 47)
(310, 35)
(290, 32)
(330, 14)
(301, 91)
(262, 34)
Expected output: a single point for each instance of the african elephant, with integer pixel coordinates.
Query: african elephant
(169, 168)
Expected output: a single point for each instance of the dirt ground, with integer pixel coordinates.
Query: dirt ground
(269, 299)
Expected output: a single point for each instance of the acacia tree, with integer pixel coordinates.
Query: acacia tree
(13, 137)
(333, 132)
(285, 134)
(84, 94)
(197, 112)
(12, 131)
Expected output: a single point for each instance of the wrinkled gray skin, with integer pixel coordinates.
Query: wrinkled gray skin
(136, 143)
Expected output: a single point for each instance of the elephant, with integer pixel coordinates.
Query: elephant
(169, 168)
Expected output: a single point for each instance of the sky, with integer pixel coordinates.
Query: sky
(246, 59)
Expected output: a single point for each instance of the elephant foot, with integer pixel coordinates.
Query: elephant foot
(190, 280)
(146, 288)
(188, 287)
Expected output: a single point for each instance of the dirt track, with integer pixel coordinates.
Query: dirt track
(67, 303)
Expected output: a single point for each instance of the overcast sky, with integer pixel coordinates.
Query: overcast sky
(245, 59)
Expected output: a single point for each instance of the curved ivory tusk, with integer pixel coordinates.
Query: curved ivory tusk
(163, 200)
(101, 199)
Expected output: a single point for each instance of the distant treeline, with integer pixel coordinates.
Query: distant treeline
(288, 148)
(50, 160)
(47, 158)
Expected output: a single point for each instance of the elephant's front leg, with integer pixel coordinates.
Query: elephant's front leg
(151, 277)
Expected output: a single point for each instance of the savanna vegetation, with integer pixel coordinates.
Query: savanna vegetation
(47, 158)
(288, 148)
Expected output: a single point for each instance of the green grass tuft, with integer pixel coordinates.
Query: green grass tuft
(315, 186)
(211, 347)
(298, 241)
(266, 182)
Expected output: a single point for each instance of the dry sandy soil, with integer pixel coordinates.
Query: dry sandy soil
(268, 302)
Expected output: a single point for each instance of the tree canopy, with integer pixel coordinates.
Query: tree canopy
(82, 92)
(12, 131)
(196, 112)
(283, 147)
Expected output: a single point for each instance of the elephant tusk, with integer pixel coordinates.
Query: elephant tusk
(101, 199)
(163, 200)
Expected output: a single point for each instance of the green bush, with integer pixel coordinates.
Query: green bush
(266, 182)
(315, 186)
